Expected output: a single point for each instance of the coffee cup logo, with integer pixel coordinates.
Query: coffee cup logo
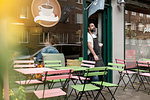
(47, 13)
(46, 10)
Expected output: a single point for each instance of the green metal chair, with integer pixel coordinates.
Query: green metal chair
(107, 85)
(54, 57)
(85, 87)
(52, 63)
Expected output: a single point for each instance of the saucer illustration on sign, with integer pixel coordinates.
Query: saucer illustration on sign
(46, 14)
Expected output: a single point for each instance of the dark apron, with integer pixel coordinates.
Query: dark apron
(97, 50)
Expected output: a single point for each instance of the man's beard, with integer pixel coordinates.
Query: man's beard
(92, 30)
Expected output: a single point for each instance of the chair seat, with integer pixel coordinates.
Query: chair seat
(88, 87)
(129, 72)
(56, 81)
(29, 82)
(106, 84)
(145, 74)
(49, 93)
(77, 78)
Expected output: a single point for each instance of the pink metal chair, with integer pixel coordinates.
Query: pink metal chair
(125, 72)
(26, 64)
(143, 76)
(54, 75)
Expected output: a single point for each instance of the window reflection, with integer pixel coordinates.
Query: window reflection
(68, 32)
(137, 35)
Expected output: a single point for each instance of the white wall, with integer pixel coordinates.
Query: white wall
(118, 34)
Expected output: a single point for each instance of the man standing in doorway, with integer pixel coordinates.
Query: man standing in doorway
(94, 51)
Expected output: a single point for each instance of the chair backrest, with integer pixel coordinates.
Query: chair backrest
(143, 64)
(89, 64)
(128, 64)
(52, 63)
(57, 56)
(96, 71)
(24, 64)
(120, 61)
(57, 74)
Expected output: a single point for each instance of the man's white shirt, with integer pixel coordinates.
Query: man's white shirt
(90, 39)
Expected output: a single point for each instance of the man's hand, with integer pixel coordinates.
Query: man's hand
(100, 44)
(96, 58)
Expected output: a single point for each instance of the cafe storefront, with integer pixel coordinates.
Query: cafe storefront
(69, 32)
(137, 30)
(69, 28)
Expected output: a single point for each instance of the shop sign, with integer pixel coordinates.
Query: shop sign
(46, 12)
(146, 29)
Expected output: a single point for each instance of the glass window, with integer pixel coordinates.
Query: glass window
(126, 12)
(133, 26)
(43, 37)
(23, 37)
(133, 13)
(67, 33)
(80, 1)
(137, 38)
(79, 18)
(148, 16)
(140, 27)
(141, 14)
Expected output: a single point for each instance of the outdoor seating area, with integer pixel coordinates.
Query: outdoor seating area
(75, 82)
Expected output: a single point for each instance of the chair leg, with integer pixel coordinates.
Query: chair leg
(146, 80)
(89, 94)
(36, 87)
(135, 78)
(86, 95)
(44, 90)
(92, 93)
(80, 96)
(111, 93)
(52, 85)
(97, 95)
(77, 96)
(121, 77)
(141, 82)
(129, 81)
(102, 95)
(99, 92)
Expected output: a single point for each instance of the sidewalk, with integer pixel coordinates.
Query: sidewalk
(128, 94)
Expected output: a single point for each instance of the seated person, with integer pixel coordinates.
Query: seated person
(47, 49)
